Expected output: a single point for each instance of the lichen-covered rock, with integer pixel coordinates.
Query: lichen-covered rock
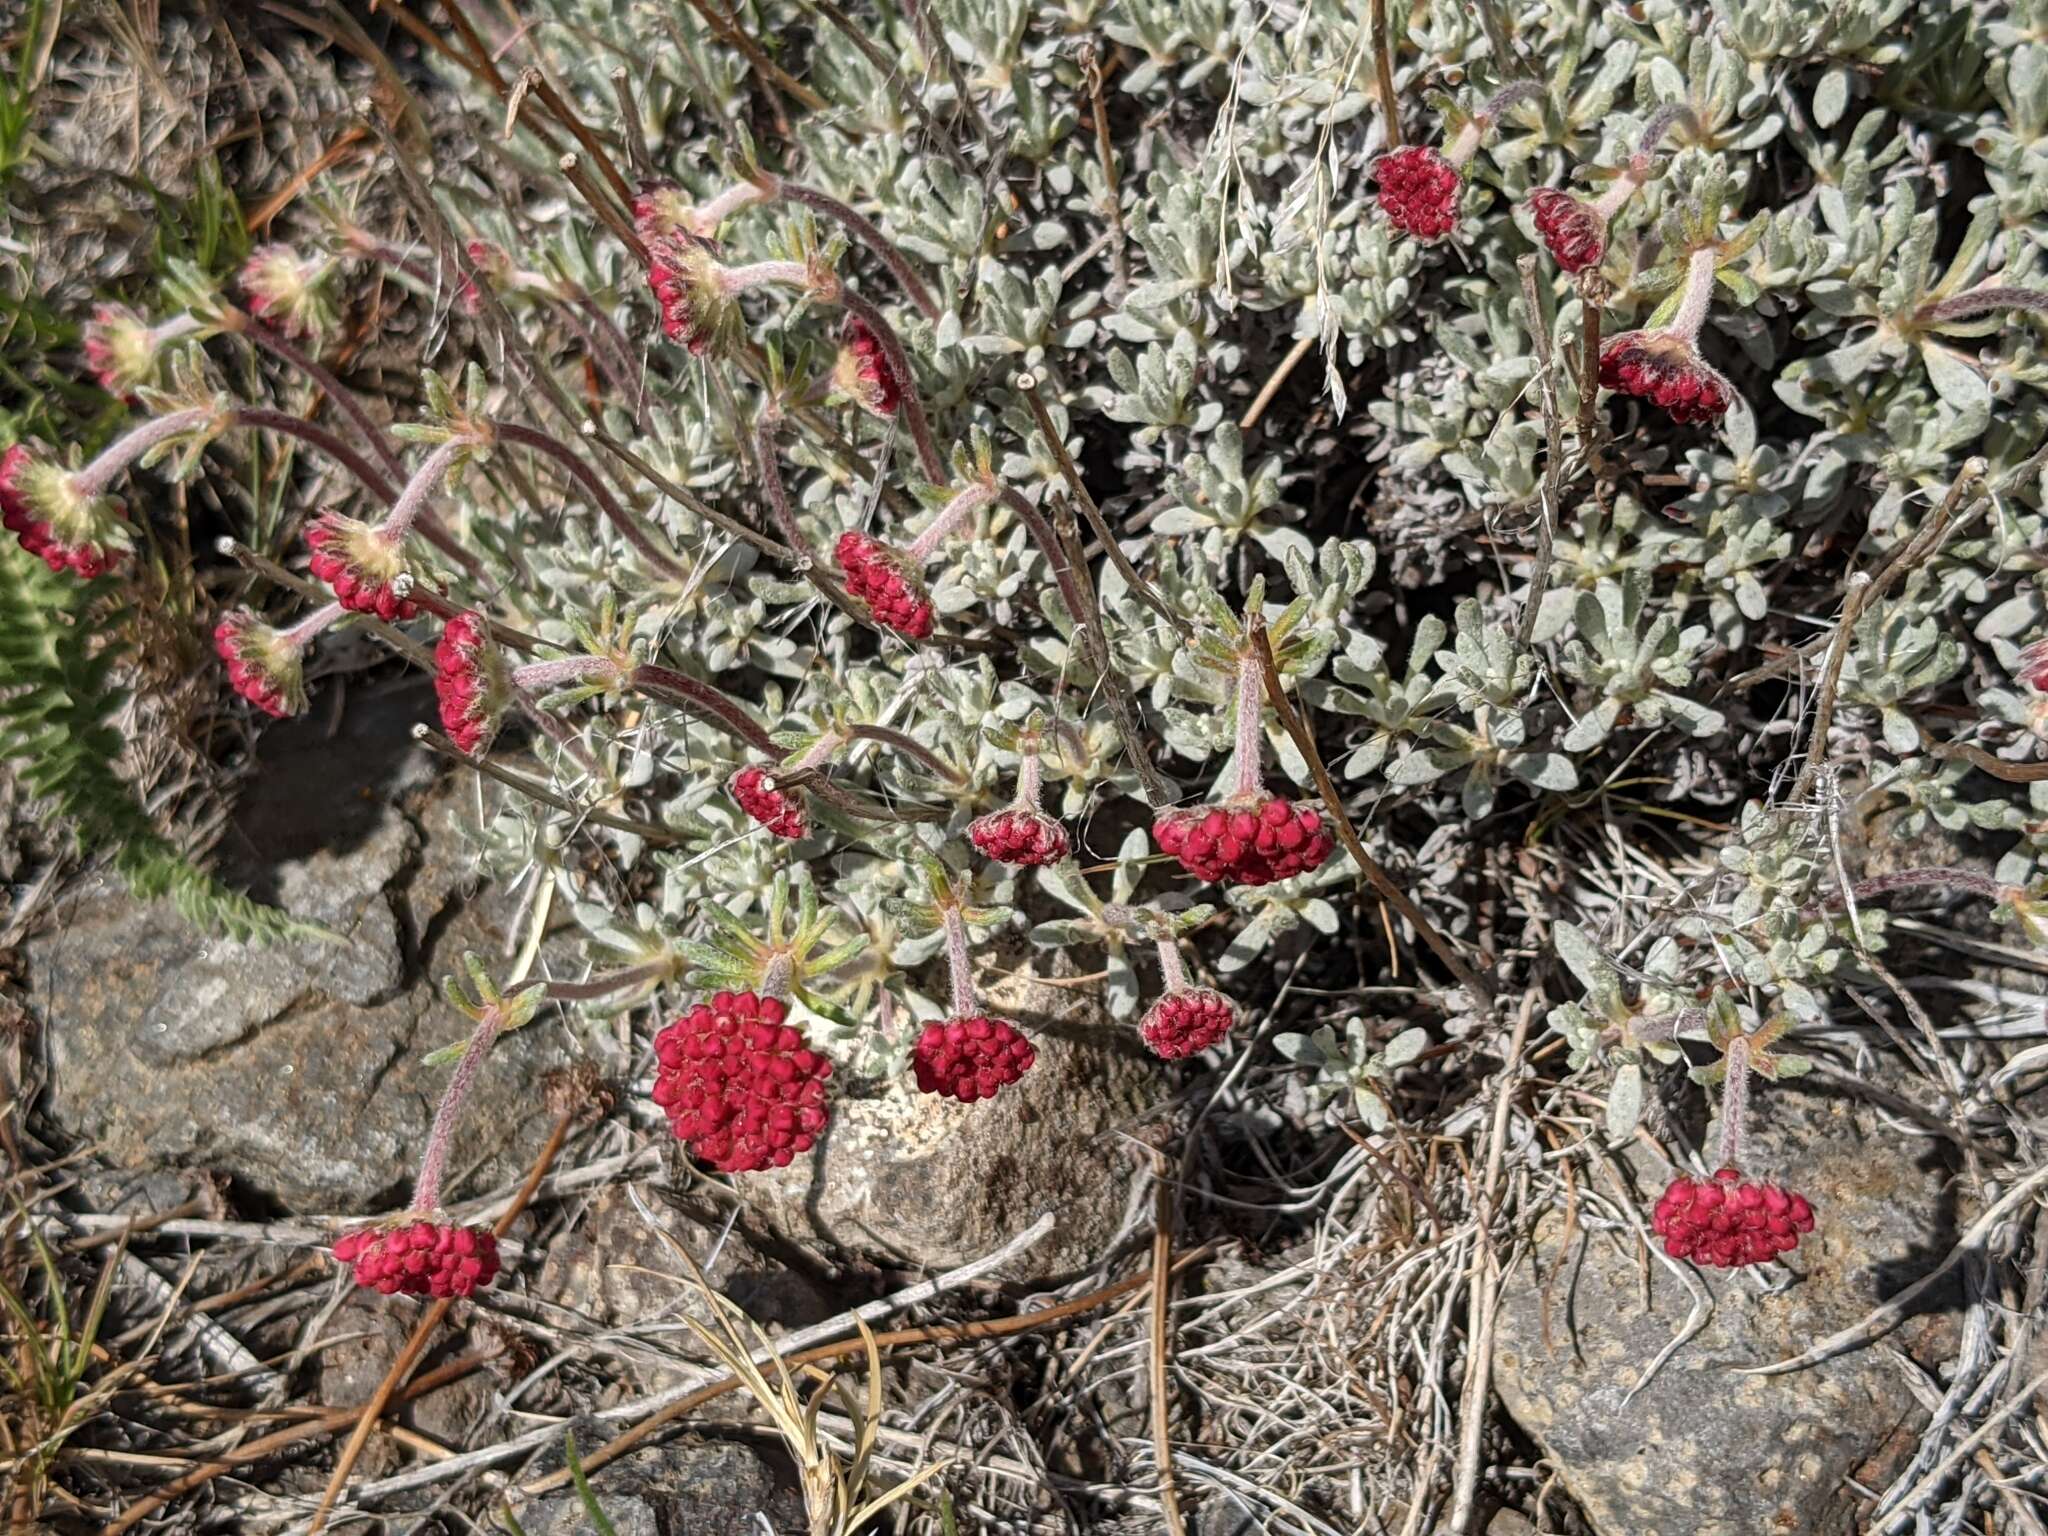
(683, 1489)
(917, 1179)
(1703, 1450)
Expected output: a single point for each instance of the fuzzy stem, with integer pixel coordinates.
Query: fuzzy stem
(1247, 782)
(269, 340)
(1465, 144)
(706, 217)
(1734, 1104)
(1616, 197)
(1979, 300)
(703, 701)
(913, 406)
(1029, 774)
(615, 513)
(759, 274)
(1171, 971)
(605, 986)
(1662, 121)
(1506, 98)
(958, 510)
(322, 441)
(1698, 296)
(95, 477)
(538, 676)
(868, 235)
(425, 480)
(909, 748)
(301, 634)
(818, 752)
(426, 1194)
(959, 965)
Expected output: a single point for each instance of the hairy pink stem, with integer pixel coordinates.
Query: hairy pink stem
(759, 274)
(706, 217)
(1171, 971)
(1612, 201)
(1734, 1103)
(426, 479)
(868, 235)
(703, 701)
(1029, 774)
(951, 516)
(1248, 782)
(301, 634)
(267, 338)
(606, 985)
(538, 676)
(426, 1194)
(1698, 296)
(95, 477)
(959, 964)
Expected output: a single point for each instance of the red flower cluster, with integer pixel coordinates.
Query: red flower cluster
(64, 530)
(359, 565)
(1667, 370)
(693, 307)
(469, 681)
(1726, 1222)
(1246, 842)
(862, 372)
(740, 1087)
(881, 578)
(1019, 836)
(262, 667)
(970, 1058)
(1419, 191)
(780, 812)
(1570, 230)
(421, 1258)
(1186, 1022)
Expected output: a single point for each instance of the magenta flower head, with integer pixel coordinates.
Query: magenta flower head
(1664, 365)
(1021, 833)
(1186, 1022)
(265, 665)
(885, 579)
(739, 1086)
(288, 291)
(1250, 837)
(970, 1057)
(862, 373)
(365, 568)
(1419, 185)
(1573, 232)
(419, 1256)
(696, 308)
(58, 515)
(471, 682)
(1727, 1222)
(781, 811)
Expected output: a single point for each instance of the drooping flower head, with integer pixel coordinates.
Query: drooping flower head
(1186, 1022)
(697, 311)
(757, 793)
(289, 291)
(740, 1087)
(471, 682)
(885, 580)
(121, 348)
(1573, 233)
(1419, 185)
(1666, 369)
(970, 1057)
(366, 571)
(63, 523)
(862, 373)
(1727, 1222)
(1021, 833)
(266, 665)
(420, 1256)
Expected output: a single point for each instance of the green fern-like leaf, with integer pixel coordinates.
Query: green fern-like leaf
(57, 696)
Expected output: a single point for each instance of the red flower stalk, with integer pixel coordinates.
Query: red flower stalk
(1419, 185)
(863, 374)
(420, 1258)
(1021, 833)
(1251, 837)
(1664, 366)
(121, 348)
(288, 290)
(741, 1089)
(1187, 1020)
(968, 1056)
(266, 666)
(64, 517)
(886, 579)
(1729, 1221)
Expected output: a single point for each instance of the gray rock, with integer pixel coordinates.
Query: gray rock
(682, 1489)
(1703, 1451)
(294, 1069)
(918, 1180)
(357, 1346)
